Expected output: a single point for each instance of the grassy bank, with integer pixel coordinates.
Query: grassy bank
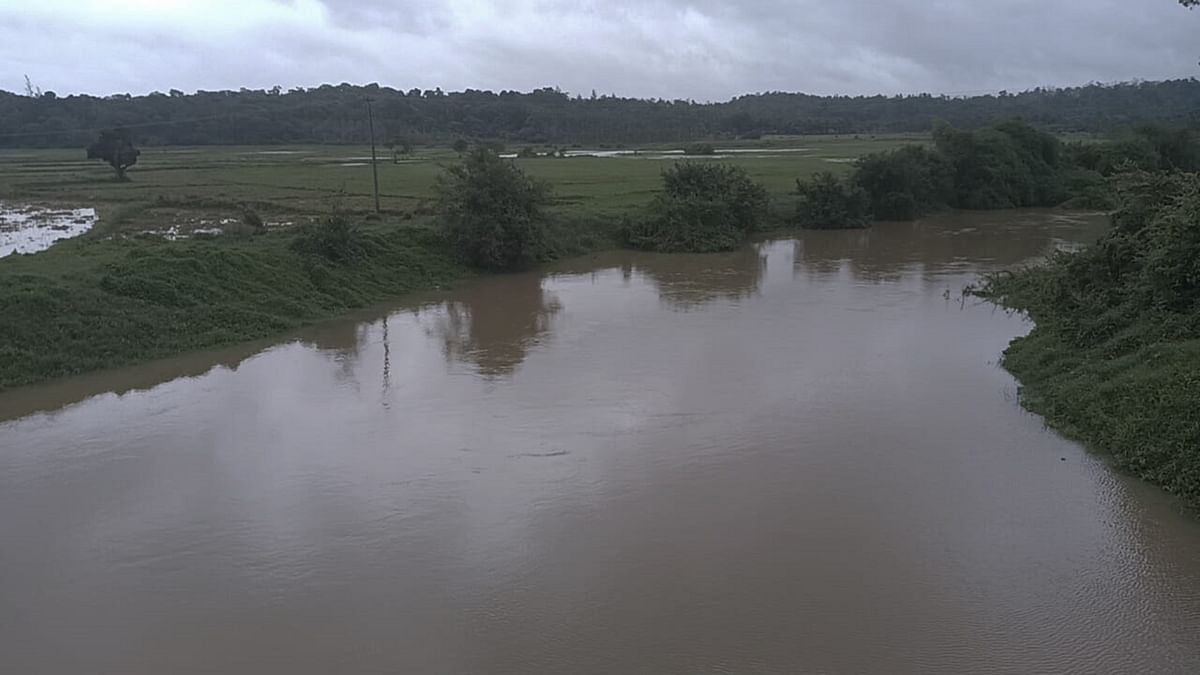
(101, 302)
(97, 303)
(1114, 359)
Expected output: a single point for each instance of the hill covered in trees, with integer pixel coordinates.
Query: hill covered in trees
(337, 114)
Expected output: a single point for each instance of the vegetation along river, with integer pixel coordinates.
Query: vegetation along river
(799, 457)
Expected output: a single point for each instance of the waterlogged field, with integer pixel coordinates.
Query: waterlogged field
(30, 228)
(178, 191)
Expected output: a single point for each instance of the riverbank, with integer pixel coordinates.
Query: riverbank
(93, 303)
(1114, 358)
(99, 302)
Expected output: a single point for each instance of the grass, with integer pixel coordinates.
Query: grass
(1137, 406)
(125, 293)
(295, 183)
(96, 303)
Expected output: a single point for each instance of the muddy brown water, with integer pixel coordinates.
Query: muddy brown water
(800, 457)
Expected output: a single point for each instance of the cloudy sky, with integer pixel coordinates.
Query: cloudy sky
(701, 49)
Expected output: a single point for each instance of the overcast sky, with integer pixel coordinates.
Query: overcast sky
(702, 49)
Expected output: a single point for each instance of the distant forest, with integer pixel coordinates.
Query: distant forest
(337, 114)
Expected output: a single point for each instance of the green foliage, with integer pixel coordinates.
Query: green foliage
(1009, 165)
(460, 145)
(1013, 165)
(905, 183)
(699, 149)
(1145, 147)
(704, 207)
(1114, 358)
(492, 212)
(826, 201)
(333, 115)
(114, 147)
(335, 238)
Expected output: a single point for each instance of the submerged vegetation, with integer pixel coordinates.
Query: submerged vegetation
(1114, 358)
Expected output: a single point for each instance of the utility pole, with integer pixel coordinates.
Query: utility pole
(374, 166)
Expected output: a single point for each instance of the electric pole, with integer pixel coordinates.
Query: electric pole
(374, 165)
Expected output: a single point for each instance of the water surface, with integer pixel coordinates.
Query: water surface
(799, 457)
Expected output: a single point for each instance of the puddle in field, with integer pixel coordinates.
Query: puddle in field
(29, 229)
(175, 233)
(724, 153)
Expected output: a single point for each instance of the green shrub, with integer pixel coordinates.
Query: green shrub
(826, 201)
(492, 212)
(905, 183)
(1006, 166)
(703, 208)
(335, 238)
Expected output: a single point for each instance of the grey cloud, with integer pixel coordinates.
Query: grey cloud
(702, 49)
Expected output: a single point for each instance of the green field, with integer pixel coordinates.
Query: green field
(198, 186)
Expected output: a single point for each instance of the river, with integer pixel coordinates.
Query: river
(801, 457)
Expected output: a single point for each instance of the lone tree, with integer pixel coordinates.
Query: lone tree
(398, 146)
(114, 147)
(492, 211)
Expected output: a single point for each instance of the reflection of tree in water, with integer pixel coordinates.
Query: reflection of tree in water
(686, 281)
(960, 241)
(494, 323)
(340, 339)
(57, 394)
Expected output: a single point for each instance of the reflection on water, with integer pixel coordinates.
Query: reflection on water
(727, 277)
(494, 325)
(946, 243)
(799, 457)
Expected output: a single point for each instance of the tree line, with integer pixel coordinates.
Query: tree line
(1006, 165)
(336, 114)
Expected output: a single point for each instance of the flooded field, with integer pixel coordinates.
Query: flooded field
(801, 457)
(29, 229)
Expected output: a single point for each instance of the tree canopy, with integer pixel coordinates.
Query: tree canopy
(333, 114)
(493, 213)
(115, 147)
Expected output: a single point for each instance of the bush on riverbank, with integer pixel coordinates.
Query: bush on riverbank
(826, 201)
(1013, 165)
(904, 184)
(335, 238)
(703, 208)
(492, 212)
(1114, 358)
